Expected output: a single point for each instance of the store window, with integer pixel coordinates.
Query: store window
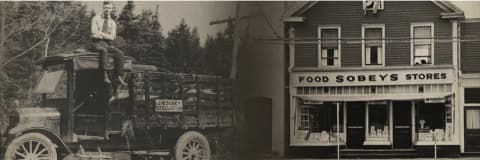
(373, 44)
(318, 123)
(434, 121)
(378, 123)
(329, 46)
(422, 44)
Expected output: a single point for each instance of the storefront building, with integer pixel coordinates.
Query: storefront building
(469, 86)
(373, 76)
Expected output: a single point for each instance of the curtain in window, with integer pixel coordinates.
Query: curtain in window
(420, 33)
(473, 119)
(329, 38)
(373, 37)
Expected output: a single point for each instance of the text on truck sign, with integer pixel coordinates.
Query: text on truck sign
(168, 105)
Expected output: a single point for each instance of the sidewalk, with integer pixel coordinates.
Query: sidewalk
(461, 158)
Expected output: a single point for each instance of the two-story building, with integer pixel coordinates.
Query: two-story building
(376, 77)
(469, 86)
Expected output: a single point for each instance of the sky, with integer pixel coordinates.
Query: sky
(200, 13)
(197, 13)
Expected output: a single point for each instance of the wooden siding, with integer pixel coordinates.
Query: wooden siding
(470, 51)
(397, 18)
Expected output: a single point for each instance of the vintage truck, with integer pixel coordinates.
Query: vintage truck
(157, 113)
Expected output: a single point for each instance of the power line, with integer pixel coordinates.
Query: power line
(281, 41)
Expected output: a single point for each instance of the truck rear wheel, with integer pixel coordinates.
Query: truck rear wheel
(31, 146)
(192, 146)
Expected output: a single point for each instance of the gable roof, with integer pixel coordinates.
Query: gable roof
(450, 9)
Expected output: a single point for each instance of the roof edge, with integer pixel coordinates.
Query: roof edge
(446, 6)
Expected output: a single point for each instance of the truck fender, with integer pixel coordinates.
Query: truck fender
(50, 134)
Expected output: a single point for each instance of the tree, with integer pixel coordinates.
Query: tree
(29, 30)
(126, 21)
(143, 35)
(219, 52)
(183, 48)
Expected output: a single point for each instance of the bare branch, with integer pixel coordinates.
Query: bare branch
(21, 54)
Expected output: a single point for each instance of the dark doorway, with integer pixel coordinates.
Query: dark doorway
(255, 137)
(402, 123)
(355, 124)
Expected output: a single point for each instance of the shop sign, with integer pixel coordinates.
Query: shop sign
(378, 77)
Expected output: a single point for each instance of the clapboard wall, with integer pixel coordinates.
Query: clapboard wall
(396, 16)
(470, 47)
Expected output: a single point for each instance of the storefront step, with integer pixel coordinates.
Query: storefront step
(377, 153)
(442, 151)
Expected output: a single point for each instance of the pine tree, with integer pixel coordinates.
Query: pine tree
(183, 48)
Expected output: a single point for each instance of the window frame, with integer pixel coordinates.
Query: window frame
(339, 45)
(412, 42)
(368, 26)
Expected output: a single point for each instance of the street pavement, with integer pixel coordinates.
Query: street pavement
(461, 158)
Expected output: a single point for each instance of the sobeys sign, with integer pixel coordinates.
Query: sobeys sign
(377, 77)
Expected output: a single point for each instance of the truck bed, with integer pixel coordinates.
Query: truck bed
(207, 101)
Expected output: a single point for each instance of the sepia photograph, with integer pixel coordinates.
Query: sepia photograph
(240, 80)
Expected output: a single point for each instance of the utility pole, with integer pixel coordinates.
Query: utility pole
(2, 30)
(236, 43)
(235, 24)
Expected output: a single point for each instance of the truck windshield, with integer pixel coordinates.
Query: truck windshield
(53, 83)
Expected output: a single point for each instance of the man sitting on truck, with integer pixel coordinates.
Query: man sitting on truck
(103, 29)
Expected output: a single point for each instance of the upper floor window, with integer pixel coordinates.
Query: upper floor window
(422, 43)
(329, 46)
(373, 45)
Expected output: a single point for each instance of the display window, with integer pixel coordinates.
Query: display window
(317, 123)
(378, 131)
(434, 121)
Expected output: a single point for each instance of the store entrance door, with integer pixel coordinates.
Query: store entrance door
(402, 121)
(355, 124)
(472, 129)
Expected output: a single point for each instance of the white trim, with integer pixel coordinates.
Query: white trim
(345, 121)
(432, 33)
(455, 43)
(293, 118)
(365, 26)
(294, 19)
(413, 111)
(390, 121)
(319, 49)
(472, 105)
(366, 121)
(291, 47)
(461, 110)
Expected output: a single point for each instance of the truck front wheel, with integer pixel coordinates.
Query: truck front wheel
(192, 145)
(31, 146)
